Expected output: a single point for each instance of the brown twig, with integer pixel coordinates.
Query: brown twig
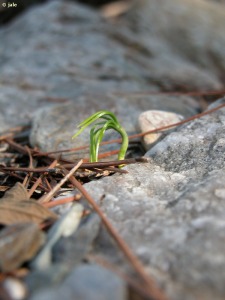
(46, 181)
(100, 164)
(16, 146)
(193, 93)
(114, 163)
(10, 133)
(39, 180)
(115, 170)
(28, 176)
(200, 115)
(62, 200)
(48, 197)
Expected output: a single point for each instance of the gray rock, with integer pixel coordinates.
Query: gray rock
(195, 35)
(170, 211)
(194, 149)
(49, 277)
(61, 63)
(87, 282)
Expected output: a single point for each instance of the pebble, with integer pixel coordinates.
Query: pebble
(153, 119)
(15, 288)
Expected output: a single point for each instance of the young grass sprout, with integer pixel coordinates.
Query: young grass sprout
(98, 130)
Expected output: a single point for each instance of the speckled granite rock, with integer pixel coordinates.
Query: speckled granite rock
(170, 211)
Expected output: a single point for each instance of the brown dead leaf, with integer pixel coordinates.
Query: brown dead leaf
(16, 207)
(18, 244)
(28, 210)
(16, 193)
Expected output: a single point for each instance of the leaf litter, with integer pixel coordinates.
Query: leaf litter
(19, 243)
(15, 207)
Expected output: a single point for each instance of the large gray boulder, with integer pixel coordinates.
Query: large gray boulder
(171, 210)
(192, 30)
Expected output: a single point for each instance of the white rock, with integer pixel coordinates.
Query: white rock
(153, 119)
(15, 288)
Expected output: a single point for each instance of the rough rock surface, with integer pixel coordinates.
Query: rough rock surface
(170, 211)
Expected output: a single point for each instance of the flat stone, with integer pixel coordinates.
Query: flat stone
(170, 212)
(87, 282)
(153, 119)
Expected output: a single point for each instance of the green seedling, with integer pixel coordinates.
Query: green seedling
(98, 130)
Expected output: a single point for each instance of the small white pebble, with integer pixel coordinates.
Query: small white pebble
(15, 288)
(153, 119)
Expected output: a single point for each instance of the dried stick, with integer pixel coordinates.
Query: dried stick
(10, 133)
(39, 180)
(48, 197)
(62, 200)
(28, 176)
(193, 93)
(100, 164)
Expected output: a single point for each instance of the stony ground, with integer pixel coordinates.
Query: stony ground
(61, 62)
